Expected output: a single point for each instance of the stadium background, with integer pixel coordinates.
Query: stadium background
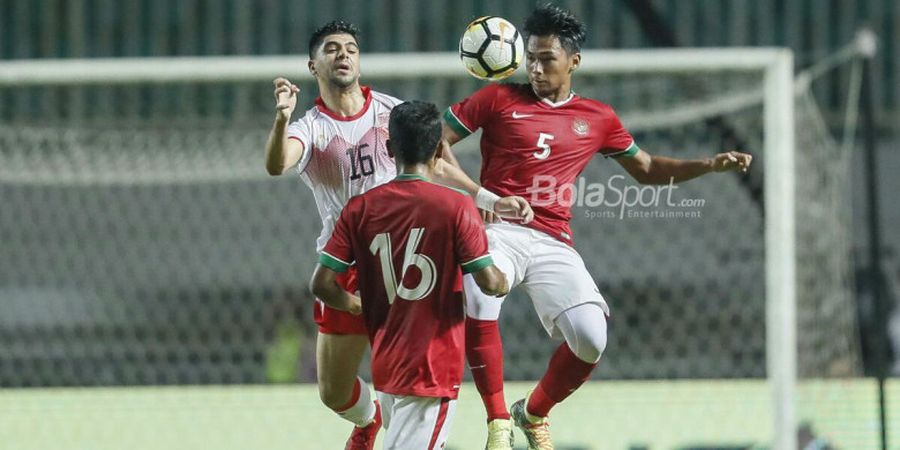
(79, 309)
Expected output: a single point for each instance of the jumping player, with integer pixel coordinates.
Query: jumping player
(339, 150)
(409, 238)
(338, 147)
(544, 129)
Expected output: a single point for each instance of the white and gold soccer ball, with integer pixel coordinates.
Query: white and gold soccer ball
(491, 48)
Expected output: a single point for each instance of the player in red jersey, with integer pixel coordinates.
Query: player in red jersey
(533, 133)
(338, 149)
(409, 239)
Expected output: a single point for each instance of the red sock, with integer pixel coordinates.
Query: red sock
(565, 373)
(484, 351)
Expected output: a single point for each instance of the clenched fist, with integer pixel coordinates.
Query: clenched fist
(732, 161)
(286, 94)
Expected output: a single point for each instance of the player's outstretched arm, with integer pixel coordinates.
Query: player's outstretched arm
(447, 169)
(448, 138)
(447, 174)
(324, 286)
(512, 207)
(491, 281)
(649, 169)
(282, 152)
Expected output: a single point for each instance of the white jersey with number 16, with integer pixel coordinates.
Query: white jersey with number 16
(344, 156)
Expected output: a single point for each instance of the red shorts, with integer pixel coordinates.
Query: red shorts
(332, 321)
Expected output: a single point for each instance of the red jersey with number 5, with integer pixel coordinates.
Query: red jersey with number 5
(533, 147)
(411, 241)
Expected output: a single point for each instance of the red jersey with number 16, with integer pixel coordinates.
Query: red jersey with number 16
(411, 239)
(532, 147)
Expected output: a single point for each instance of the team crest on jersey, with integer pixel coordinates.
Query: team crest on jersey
(580, 127)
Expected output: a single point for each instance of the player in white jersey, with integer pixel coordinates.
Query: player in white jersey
(339, 149)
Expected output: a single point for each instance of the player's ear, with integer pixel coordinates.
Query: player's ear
(387, 144)
(312, 67)
(576, 61)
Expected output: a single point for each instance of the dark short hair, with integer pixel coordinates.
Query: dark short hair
(550, 20)
(333, 27)
(414, 130)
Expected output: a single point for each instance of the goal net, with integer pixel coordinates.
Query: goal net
(144, 244)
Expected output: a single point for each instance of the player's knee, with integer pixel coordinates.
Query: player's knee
(334, 396)
(584, 328)
(591, 347)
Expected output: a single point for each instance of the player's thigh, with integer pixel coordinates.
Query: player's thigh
(504, 242)
(337, 361)
(480, 305)
(332, 321)
(412, 422)
(557, 280)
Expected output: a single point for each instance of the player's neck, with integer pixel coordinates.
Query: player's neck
(417, 170)
(557, 96)
(343, 101)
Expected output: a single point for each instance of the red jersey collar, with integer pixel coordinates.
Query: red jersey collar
(548, 103)
(367, 93)
(553, 104)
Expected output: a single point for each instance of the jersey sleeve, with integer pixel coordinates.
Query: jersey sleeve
(472, 112)
(392, 101)
(338, 252)
(618, 141)
(301, 131)
(471, 241)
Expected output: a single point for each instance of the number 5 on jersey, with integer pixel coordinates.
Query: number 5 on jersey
(543, 145)
(381, 247)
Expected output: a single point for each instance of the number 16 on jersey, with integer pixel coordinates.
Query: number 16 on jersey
(381, 247)
(359, 162)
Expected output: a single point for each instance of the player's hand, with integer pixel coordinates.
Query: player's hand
(355, 306)
(514, 207)
(503, 290)
(488, 217)
(286, 94)
(732, 161)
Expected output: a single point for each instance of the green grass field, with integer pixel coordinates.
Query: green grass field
(602, 415)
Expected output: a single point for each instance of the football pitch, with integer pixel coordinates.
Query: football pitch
(712, 414)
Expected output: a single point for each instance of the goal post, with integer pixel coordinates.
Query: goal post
(781, 280)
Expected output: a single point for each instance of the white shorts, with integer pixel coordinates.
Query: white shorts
(551, 273)
(415, 423)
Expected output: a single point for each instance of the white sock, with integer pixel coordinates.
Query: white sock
(362, 412)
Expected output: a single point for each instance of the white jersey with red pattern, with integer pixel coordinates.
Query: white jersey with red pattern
(344, 156)
(532, 147)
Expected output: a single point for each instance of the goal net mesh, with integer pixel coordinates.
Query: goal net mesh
(144, 244)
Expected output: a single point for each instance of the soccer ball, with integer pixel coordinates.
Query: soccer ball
(491, 48)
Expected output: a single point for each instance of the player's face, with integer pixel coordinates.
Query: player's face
(549, 65)
(337, 60)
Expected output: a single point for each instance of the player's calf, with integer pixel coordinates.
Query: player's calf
(360, 409)
(584, 328)
(364, 413)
